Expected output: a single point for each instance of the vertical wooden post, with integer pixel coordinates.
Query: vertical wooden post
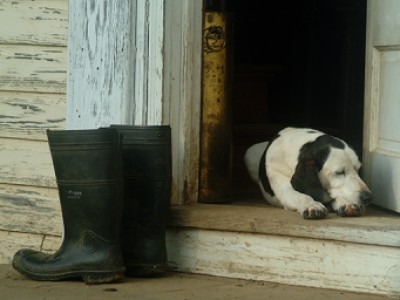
(137, 62)
(100, 63)
(115, 63)
(216, 124)
(182, 93)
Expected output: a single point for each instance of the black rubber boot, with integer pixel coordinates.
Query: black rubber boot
(88, 169)
(147, 193)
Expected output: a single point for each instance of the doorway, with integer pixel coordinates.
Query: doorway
(295, 64)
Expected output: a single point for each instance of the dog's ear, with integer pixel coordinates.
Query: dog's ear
(305, 178)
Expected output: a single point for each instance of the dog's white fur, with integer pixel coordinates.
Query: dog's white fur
(337, 175)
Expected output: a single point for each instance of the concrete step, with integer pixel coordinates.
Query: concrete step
(260, 242)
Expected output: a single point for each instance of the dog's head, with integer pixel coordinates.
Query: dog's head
(328, 169)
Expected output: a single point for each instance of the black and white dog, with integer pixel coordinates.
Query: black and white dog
(304, 169)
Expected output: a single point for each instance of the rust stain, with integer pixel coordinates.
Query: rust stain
(216, 137)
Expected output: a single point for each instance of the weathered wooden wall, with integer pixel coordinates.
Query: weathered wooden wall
(33, 62)
(124, 67)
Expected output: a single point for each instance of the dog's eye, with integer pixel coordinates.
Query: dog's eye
(340, 172)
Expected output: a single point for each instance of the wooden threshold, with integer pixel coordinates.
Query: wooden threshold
(377, 227)
(255, 241)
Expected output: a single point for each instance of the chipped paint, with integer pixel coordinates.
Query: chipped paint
(31, 21)
(33, 75)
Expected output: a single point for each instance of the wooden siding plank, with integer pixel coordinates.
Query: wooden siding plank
(33, 68)
(294, 261)
(30, 209)
(39, 22)
(27, 115)
(26, 162)
(11, 242)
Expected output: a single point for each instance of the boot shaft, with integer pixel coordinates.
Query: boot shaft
(86, 155)
(147, 193)
(146, 151)
(147, 172)
(88, 169)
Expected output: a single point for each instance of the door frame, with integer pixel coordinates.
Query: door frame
(381, 160)
(139, 63)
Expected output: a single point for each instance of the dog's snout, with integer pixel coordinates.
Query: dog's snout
(365, 197)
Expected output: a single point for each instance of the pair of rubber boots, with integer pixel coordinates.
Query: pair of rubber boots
(114, 187)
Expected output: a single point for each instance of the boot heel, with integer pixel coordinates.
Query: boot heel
(102, 277)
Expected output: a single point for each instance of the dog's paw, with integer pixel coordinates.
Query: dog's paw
(351, 210)
(315, 211)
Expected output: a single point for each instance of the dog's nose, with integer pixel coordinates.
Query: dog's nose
(365, 197)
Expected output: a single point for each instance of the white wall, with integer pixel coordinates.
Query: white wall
(33, 60)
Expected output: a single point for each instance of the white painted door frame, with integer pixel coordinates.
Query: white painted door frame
(382, 103)
(139, 63)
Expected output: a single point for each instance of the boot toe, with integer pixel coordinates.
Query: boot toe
(26, 262)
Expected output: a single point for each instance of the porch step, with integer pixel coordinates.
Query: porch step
(261, 242)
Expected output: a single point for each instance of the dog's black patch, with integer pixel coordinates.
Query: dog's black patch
(262, 175)
(319, 149)
(312, 157)
(330, 140)
(262, 171)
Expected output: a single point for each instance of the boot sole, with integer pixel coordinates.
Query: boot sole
(146, 271)
(89, 277)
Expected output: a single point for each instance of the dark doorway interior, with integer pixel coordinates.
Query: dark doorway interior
(296, 63)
